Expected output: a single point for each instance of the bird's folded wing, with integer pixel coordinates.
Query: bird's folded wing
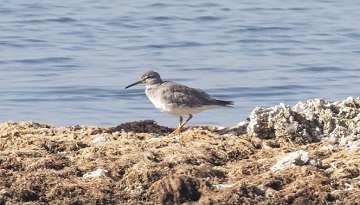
(185, 96)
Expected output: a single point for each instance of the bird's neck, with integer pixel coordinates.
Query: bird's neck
(155, 82)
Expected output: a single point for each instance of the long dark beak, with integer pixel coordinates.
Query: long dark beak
(138, 82)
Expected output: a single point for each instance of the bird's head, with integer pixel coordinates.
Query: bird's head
(149, 77)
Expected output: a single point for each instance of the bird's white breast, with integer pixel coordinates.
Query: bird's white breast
(155, 99)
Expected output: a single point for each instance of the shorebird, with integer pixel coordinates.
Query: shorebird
(177, 99)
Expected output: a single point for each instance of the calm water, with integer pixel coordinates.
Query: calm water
(67, 62)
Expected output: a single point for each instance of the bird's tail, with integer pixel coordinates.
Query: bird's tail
(225, 103)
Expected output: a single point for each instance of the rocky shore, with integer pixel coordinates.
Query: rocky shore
(305, 154)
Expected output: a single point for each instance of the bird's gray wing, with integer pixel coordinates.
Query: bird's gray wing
(183, 96)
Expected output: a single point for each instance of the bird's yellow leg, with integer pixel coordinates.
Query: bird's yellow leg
(187, 120)
(178, 129)
(180, 121)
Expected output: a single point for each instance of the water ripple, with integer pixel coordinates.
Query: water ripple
(45, 60)
(208, 18)
(62, 20)
(176, 45)
(319, 69)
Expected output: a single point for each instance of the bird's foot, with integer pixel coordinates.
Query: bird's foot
(177, 131)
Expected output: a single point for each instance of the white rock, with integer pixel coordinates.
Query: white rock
(299, 157)
(223, 186)
(329, 147)
(231, 133)
(96, 173)
(100, 138)
(220, 127)
(312, 121)
(242, 123)
(353, 145)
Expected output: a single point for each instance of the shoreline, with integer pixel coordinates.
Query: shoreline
(305, 154)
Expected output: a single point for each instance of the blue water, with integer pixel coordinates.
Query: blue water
(67, 62)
